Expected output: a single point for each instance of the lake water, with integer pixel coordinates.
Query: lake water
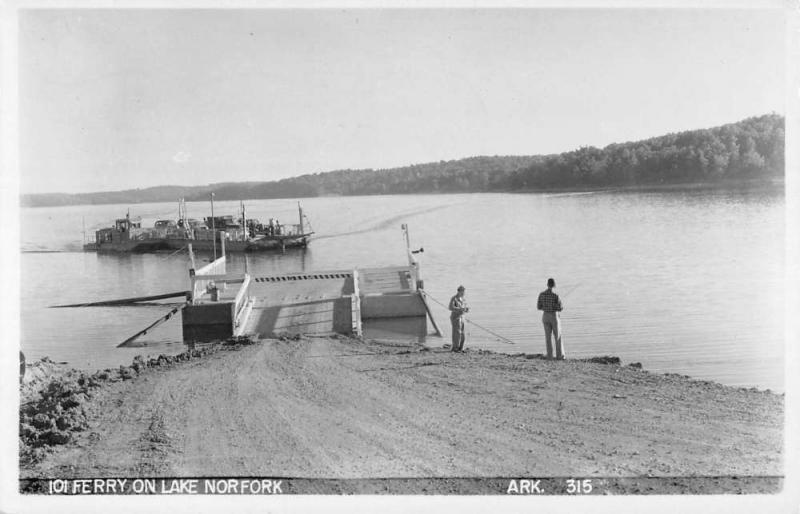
(685, 282)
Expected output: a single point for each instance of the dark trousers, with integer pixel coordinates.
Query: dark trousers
(458, 333)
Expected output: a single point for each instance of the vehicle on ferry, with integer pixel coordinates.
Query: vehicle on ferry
(240, 234)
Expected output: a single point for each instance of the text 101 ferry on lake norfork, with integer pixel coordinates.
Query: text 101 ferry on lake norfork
(240, 234)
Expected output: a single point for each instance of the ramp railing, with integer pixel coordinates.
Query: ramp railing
(204, 279)
(239, 303)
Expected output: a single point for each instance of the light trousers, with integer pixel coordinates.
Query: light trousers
(552, 327)
(458, 333)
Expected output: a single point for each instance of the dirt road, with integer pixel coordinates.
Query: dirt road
(339, 408)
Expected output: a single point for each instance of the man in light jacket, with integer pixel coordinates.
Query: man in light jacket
(458, 307)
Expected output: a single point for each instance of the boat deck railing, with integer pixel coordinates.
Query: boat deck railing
(198, 234)
(288, 230)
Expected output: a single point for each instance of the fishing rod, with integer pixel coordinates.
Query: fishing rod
(576, 286)
(436, 261)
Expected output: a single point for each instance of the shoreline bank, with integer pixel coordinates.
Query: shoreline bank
(345, 408)
(772, 184)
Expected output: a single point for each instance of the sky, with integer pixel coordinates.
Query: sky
(116, 99)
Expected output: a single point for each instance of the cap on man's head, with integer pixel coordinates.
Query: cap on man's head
(551, 282)
(461, 288)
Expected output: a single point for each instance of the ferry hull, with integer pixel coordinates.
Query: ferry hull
(266, 243)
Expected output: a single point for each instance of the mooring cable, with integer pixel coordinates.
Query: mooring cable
(176, 251)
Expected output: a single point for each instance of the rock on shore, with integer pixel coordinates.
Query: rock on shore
(53, 397)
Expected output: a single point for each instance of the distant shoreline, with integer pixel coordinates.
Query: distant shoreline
(772, 185)
(736, 185)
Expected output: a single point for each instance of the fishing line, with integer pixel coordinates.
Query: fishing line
(502, 339)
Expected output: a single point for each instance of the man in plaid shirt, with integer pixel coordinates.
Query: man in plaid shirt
(550, 303)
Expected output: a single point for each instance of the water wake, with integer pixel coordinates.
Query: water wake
(385, 223)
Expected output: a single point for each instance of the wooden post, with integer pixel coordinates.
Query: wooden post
(193, 281)
(356, 289)
(430, 314)
(222, 237)
(408, 244)
(300, 209)
(412, 261)
(244, 222)
(213, 227)
(355, 316)
(355, 306)
(192, 278)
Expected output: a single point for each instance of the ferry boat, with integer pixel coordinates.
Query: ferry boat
(240, 234)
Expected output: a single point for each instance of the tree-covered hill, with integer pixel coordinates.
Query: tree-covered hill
(750, 150)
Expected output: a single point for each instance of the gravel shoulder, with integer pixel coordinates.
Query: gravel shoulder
(343, 408)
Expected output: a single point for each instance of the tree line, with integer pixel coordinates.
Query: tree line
(749, 150)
